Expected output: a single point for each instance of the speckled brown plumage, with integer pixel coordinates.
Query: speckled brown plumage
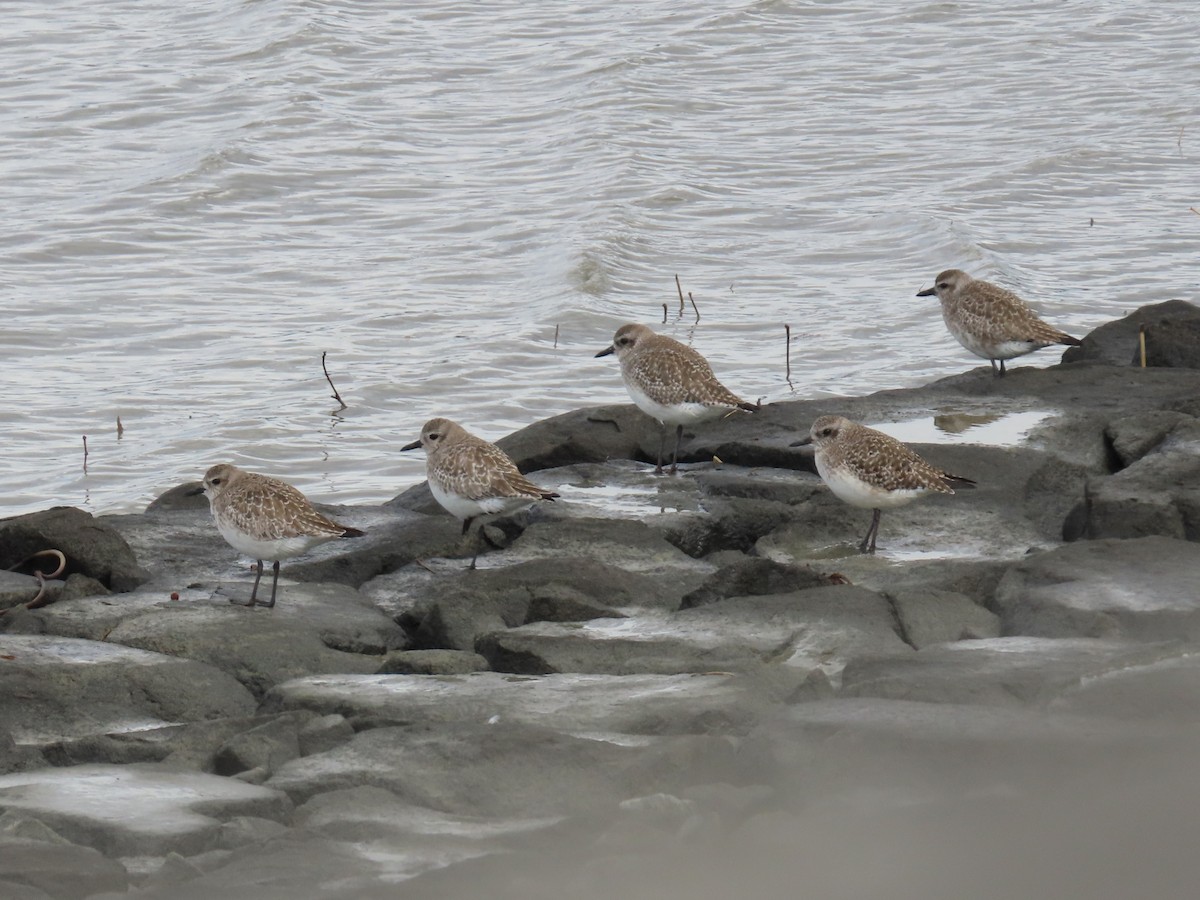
(668, 372)
(267, 509)
(990, 321)
(471, 477)
(671, 382)
(266, 518)
(872, 470)
(877, 459)
(473, 468)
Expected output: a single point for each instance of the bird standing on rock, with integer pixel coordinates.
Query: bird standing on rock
(471, 477)
(872, 470)
(670, 382)
(265, 518)
(991, 322)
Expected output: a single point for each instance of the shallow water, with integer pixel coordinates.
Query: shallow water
(459, 202)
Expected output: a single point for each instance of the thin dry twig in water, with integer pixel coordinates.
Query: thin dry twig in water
(787, 330)
(1142, 343)
(679, 287)
(336, 395)
(85, 454)
(120, 428)
(555, 337)
(693, 299)
(664, 314)
(1193, 209)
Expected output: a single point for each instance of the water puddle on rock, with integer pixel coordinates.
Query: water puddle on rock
(993, 429)
(633, 495)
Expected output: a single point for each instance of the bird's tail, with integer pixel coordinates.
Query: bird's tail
(347, 531)
(957, 481)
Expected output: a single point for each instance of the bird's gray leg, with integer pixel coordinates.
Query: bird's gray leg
(253, 590)
(274, 586)
(675, 455)
(868, 542)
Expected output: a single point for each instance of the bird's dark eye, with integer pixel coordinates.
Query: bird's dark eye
(942, 285)
(434, 436)
(826, 432)
(216, 481)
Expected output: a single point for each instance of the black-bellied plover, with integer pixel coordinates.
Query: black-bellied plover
(990, 321)
(872, 470)
(670, 382)
(471, 477)
(265, 518)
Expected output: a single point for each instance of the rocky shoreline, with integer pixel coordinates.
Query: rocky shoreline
(658, 686)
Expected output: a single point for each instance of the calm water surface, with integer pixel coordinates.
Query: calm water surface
(200, 199)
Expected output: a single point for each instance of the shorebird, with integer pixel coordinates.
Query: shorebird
(991, 322)
(265, 518)
(471, 477)
(872, 470)
(670, 382)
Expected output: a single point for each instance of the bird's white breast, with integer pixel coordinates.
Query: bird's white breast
(849, 488)
(677, 414)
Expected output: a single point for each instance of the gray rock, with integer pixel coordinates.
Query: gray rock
(996, 672)
(323, 733)
(934, 616)
(27, 828)
(432, 662)
(91, 546)
(584, 579)
(572, 704)
(1164, 691)
(267, 746)
(137, 810)
(313, 628)
(56, 870)
(560, 603)
(57, 687)
(240, 832)
(15, 757)
(1170, 327)
(18, 589)
(1154, 494)
(182, 496)
(1143, 589)
(187, 548)
(631, 646)
(749, 575)
(816, 628)
(373, 814)
(503, 769)
(630, 545)
(1132, 437)
(457, 623)
(173, 871)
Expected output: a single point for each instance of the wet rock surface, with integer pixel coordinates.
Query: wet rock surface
(689, 683)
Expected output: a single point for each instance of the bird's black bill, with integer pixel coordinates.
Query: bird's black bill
(606, 351)
(194, 491)
(413, 446)
(928, 292)
(803, 442)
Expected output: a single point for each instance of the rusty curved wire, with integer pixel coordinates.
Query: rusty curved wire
(42, 577)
